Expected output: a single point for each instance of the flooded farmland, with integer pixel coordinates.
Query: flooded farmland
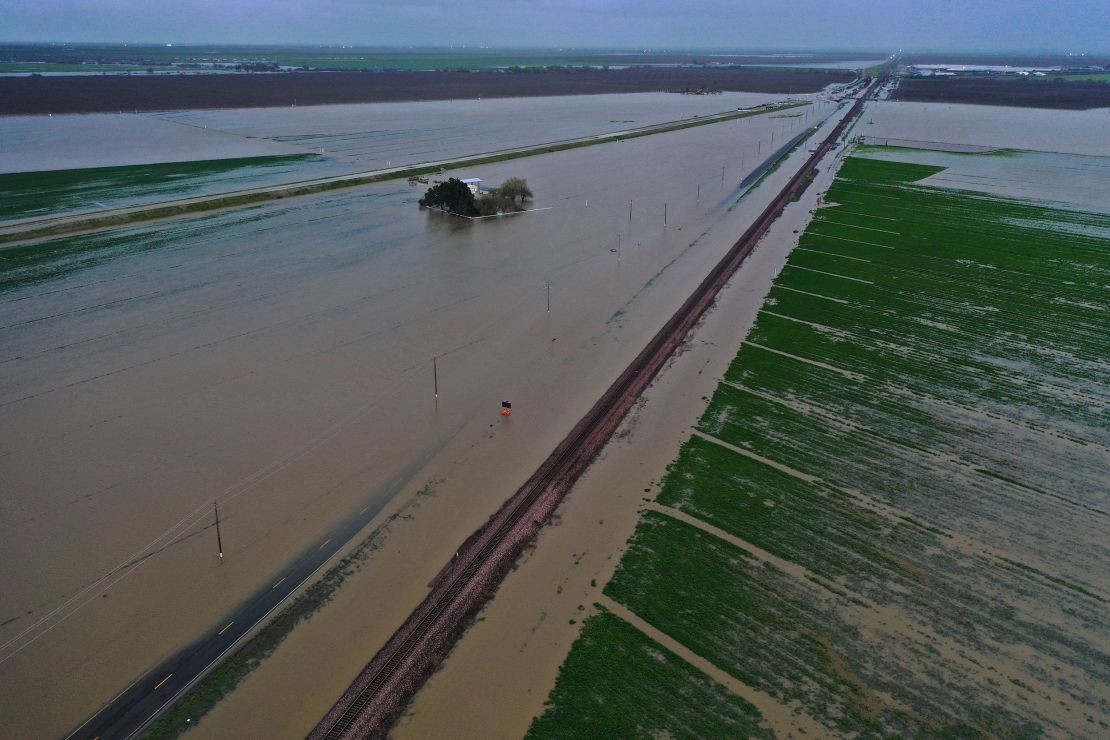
(890, 518)
(393, 132)
(76, 163)
(1064, 131)
(279, 358)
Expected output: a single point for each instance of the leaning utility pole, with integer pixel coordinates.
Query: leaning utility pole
(219, 540)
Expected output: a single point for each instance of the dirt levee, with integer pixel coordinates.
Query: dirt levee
(88, 94)
(1074, 95)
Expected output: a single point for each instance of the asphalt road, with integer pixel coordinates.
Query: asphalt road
(137, 706)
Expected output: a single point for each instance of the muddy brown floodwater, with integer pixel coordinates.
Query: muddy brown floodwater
(279, 358)
(500, 675)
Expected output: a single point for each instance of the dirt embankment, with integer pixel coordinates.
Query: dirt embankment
(1038, 93)
(97, 94)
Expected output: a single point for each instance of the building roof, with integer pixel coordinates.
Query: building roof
(471, 180)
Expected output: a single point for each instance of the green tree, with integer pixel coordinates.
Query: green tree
(490, 204)
(452, 195)
(515, 188)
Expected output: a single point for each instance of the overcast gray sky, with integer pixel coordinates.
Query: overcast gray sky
(1065, 25)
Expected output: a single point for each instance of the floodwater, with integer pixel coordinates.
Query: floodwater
(850, 64)
(365, 135)
(502, 672)
(35, 143)
(379, 135)
(280, 358)
(341, 139)
(1064, 131)
(1067, 181)
(512, 656)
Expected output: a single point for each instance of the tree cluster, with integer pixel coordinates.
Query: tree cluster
(454, 196)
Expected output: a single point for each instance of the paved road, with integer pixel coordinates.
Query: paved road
(129, 713)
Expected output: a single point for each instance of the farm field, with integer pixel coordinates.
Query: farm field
(28, 194)
(655, 691)
(113, 93)
(1081, 93)
(1085, 132)
(890, 519)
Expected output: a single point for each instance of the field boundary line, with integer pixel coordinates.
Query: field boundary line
(806, 477)
(765, 703)
(816, 363)
(830, 274)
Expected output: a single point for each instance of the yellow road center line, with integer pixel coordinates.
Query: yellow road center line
(225, 628)
(278, 583)
(159, 684)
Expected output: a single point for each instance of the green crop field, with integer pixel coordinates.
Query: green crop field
(27, 194)
(902, 480)
(619, 683)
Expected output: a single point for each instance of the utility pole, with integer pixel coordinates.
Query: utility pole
(664, 214)
(618, 247)
(435, 376)
(722, 175)
(549, 296)
(699, 191)
(630, 211)
(219, 540)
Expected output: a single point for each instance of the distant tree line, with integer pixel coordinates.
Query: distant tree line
(455, 196)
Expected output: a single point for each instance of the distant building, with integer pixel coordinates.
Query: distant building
(474, 183)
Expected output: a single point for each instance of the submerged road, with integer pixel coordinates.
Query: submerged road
(375, 699)
(133, 710)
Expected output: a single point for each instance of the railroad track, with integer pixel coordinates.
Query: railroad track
(369, 707)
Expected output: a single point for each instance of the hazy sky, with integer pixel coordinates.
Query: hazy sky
(1065, 25)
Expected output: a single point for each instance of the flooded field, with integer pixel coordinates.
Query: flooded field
(1066, 131)
(29, 194)
(890, 518)
(376, 135)
(37, 143)
(1076, 180)
(279, 358)
(82, 156)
